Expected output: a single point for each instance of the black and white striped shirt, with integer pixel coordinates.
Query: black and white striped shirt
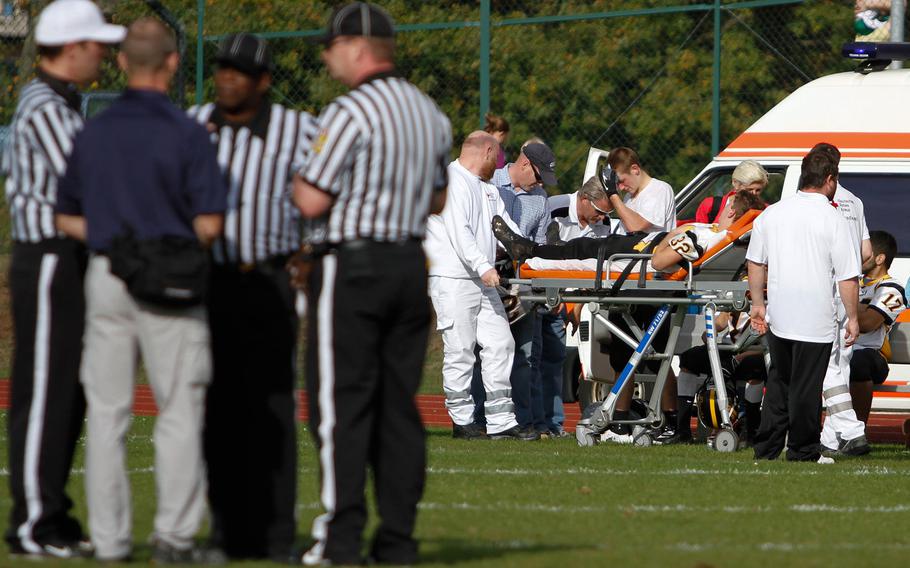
(259, 159)
(381, 151)
(41, 138)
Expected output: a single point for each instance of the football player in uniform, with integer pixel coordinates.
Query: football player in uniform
(686, 242)
(881, 300)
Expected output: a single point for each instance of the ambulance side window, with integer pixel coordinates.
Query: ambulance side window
(884, 199)
(718, 182)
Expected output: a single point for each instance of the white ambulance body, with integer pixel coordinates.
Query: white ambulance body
(867, 117)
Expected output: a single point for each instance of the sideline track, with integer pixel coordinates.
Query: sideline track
(882, 427)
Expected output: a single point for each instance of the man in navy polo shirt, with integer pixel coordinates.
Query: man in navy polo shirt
(143, 166)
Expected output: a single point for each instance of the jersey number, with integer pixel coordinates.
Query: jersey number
(892, 302)
(680, 244)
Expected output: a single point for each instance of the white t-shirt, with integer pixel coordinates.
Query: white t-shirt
(803, 241)
(851, 207)
(655, 202)
(563, 209)
(886, 296)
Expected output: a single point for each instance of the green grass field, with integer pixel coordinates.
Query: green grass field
(551, 503)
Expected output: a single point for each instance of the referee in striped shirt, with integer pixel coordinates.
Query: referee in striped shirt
(250, 432)
(47, 404)
(375, 172)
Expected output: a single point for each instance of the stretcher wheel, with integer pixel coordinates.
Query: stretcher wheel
(585, 437)
(641, 437)
(726, 441)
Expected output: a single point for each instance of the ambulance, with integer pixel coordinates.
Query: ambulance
(865, 113)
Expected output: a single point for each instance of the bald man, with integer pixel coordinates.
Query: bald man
(461, 250)
(145, 174)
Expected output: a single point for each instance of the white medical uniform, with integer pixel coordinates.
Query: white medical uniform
(460, 247)
(841, 421)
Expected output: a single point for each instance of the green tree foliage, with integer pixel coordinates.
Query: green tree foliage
(641, 81)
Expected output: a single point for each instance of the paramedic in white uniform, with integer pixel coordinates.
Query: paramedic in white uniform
(461, 251)
(842, 431)
(800, 243)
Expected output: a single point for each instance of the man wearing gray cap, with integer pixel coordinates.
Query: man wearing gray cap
(521, 186)
(47, 404)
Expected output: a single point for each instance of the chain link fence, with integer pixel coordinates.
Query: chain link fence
(575, 73)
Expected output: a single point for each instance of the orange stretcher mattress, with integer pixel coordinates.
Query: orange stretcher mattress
(739, 228)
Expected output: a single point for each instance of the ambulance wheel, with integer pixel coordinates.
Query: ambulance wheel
(726, 441)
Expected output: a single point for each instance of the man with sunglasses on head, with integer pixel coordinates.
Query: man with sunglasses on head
(521, 186)
(47, 404)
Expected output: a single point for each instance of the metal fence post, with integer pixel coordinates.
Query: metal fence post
(715, 85)
(200, 56)
(897, 27)
(484, 59)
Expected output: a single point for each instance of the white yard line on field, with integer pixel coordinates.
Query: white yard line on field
(861, 471)
(644, 508)
(786, 546)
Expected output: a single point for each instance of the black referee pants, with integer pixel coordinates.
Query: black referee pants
(792, 406)
(250, 436)
(47, 404)
(366, 343)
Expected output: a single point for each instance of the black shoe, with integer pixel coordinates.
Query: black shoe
(553, 237)
(518, 247)
(516, 433)
(558, 433)
(667, 435)
(855, 447)
(57, 549)
(469, 432)
(164, 553)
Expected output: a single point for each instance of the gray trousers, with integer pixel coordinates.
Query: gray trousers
(174, 344)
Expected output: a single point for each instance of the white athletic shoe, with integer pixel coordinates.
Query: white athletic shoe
(615, 438)
(824, 460)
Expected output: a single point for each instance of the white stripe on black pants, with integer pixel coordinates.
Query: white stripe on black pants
(792, 406)
(47, 405)
(366, 342)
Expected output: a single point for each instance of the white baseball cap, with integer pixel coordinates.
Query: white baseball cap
(70, 21)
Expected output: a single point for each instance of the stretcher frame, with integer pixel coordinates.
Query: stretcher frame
(605, 292)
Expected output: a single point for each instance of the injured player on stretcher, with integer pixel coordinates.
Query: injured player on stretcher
(684, 243)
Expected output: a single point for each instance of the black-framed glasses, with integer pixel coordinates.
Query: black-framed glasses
(537, 177)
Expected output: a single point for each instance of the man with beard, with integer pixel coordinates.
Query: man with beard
(461, 249)
(252, 461)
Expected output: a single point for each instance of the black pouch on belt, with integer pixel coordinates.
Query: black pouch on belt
(168, 271)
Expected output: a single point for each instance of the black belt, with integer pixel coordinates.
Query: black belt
(363, 244)
(269, 265)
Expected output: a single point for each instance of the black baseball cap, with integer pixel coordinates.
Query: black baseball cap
(543, 159)
(245, 52)
(357, 19)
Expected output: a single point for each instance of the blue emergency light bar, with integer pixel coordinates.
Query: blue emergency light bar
(870, 50)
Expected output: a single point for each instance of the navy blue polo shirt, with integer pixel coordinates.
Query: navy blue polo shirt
(141, 165)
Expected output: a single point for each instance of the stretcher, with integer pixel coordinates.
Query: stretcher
(712, 282)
